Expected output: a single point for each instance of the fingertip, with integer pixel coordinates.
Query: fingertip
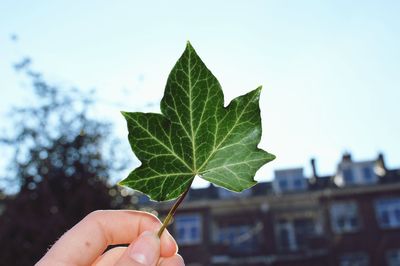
(145, 250)
(168, 244)
(150, 222)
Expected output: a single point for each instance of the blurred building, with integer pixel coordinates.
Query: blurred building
(2, 202)
(349, 218)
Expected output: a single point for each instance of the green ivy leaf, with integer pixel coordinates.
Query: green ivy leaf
(195, 135)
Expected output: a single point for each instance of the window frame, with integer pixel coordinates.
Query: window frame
(352, 258)
(349, 177)
(297, 233)
(348, 226)
(392, 253)
(188, 227)
(244, 243)
(392, 223)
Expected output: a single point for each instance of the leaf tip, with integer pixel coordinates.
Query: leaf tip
(189, 47)
(125, 114)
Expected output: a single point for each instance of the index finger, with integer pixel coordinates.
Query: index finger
(88, 239)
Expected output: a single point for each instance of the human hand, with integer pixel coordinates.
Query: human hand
(85, 243)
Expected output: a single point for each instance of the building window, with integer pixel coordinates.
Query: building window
(239, 238)
(293, 235)
(393, 257)
(354, 259)
(344, 217)
(283, 185)
(188, 229)
(298, 184)
(304, 229)
(361, 173)
(388, 212)
(348, 176)
(368, 174)
(289, 180)
(286, 236)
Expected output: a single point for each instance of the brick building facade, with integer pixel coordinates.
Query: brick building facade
(349, 218)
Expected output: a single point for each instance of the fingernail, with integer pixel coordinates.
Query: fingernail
(143, 250)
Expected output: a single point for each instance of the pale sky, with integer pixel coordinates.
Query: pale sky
(330, 69)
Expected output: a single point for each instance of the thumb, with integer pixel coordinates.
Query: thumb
(144, 251)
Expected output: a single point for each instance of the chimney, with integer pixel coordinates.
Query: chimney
(381, 161)
(346, 157)
(314, 168)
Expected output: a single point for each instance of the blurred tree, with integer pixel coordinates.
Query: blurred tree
(59, 167)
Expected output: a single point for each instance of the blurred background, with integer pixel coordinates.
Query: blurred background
(330, 72)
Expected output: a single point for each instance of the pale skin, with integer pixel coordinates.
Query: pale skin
(86, 242)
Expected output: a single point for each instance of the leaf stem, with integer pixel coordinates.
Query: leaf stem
(173, 210)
